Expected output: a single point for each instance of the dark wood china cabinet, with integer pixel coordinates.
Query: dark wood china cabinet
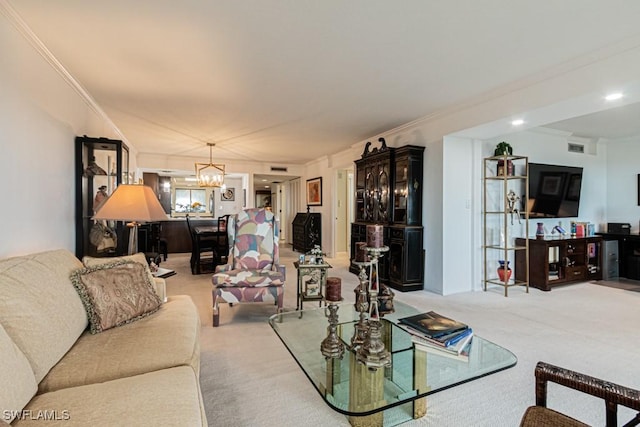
(389, 192)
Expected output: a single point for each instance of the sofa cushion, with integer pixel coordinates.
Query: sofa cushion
(39, 308)
(170, 397)
(248, 278)
(167, 338)
(115, 294)
(17, 379)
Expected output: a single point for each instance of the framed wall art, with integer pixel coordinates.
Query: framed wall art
(314, 192)
(263, 199)
(228, 195)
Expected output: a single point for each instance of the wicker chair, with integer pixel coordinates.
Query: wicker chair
(612, 394)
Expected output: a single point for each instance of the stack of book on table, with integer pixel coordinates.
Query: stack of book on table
(435, 333)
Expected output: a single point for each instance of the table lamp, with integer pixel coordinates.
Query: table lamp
(135, 203)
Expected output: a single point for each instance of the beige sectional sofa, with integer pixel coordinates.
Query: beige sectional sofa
(54, 372)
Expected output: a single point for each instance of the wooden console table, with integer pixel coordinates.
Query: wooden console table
(560, 261)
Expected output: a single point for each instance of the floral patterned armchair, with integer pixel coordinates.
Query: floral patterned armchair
(252, 272)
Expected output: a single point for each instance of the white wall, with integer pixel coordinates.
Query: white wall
(546, 146)
(464, 272)
(40, 115)
(622, 182)
(457, 219)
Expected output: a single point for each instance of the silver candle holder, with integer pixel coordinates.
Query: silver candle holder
(332, 347)
(361, 305)
(372, 351)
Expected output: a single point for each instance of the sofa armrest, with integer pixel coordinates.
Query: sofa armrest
(161, 288)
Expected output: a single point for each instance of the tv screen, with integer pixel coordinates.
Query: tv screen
(554, 191)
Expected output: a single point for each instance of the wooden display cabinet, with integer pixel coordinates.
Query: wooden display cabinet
(389, 193)
(307, 231)
(557, 262)
(99, 162)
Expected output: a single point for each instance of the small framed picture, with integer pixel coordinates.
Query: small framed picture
(228, 195)
(314, 192)
(312, 288)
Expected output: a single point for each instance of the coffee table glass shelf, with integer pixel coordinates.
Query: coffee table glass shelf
(387, 396)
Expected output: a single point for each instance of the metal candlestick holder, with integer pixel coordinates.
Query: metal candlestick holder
(372, 352)
(362, 306)
(332, 346)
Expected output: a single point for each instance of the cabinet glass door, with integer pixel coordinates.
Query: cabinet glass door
(383, 196)
(370, 194)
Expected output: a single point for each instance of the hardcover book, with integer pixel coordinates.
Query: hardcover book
(432, 324)
(462, 355)
(445, 341)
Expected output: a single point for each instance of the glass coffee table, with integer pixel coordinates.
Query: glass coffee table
(386, 396)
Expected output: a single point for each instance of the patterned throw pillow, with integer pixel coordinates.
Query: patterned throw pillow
(115, 294)
(139, 257)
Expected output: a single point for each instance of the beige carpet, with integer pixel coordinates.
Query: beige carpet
(249, 379)
(620, 283)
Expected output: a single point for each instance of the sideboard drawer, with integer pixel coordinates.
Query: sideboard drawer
(575, 273)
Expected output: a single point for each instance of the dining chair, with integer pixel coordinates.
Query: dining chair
(201, 245)
(222, 239)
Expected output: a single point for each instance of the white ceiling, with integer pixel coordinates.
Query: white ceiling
(614, 123)
(293, 80)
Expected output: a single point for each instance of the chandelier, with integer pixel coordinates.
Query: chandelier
(210, 174)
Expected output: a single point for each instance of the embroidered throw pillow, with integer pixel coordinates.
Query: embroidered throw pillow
(139, 257)
(115, 294)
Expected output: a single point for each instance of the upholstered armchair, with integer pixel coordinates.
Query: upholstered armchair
(252, 272)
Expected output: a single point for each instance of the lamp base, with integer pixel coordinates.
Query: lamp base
(133, 237)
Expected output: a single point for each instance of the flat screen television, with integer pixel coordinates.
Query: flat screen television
(554, 191)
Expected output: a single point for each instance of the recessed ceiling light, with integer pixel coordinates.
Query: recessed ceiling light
(517, 122)
(264, 180)
(266, 186)
(613, 96)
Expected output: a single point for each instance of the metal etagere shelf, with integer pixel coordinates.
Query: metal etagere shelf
(504, 177)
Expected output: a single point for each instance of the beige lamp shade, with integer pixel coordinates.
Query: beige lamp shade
(132, 203)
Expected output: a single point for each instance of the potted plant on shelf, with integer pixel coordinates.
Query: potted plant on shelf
(503, 148)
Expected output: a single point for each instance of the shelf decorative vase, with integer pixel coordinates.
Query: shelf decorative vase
(504, 273)
(540, 231)
(501, 169)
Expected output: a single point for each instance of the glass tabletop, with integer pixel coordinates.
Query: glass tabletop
(346, 384)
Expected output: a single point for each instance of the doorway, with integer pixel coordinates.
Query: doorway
(343, 211)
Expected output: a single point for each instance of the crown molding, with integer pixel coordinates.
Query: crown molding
(16, 20)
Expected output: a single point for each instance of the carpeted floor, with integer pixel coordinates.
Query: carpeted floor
(621, 283)
(249, 379)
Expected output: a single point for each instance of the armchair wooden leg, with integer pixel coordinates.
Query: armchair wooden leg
(216, 310)
(280, 303)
